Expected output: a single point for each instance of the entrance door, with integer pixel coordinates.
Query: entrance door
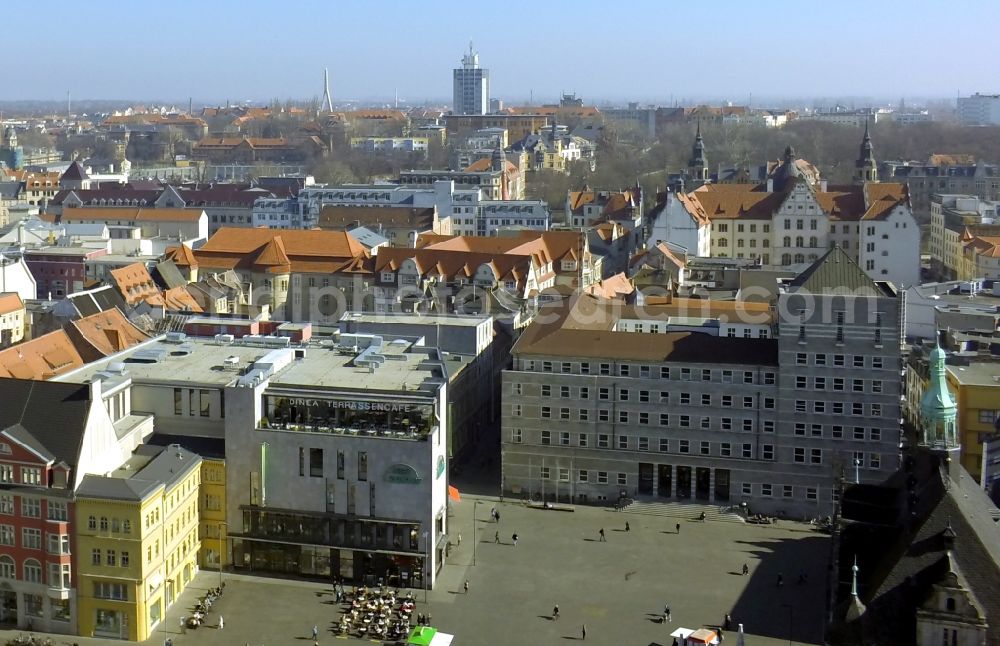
(645, 478)
(683, 482)
(8, 607)
(703, 481)
(664, 485)
(722, 485)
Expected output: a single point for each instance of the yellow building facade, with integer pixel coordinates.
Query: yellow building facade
(976, 389)
(137, 541)
(214, 552)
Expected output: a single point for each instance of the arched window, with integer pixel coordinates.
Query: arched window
(786, 259)
(32, 571)
(723, 242)
(7, 569)
(787, 242)
(812, 242)
(950, 604)
(799, 258)
(798, 241)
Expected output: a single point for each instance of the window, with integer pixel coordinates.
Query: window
(57, 510)
(7, 535)
(605, 368)
(623, 370)
(877, 362)
(800, 454)
(603, 393)
(544, 473)
(726, 424)
(203, 400)
(341, 459)
(766, 490)
(603, 440)
(685, 398)
(664, 419)
(362, 465)
(6, 473)
(315, 463)
(815, 456)
(685, 374)
(727, 401)
(622, 479)
(986, 416)
(787, 491)
(178, 401)
(581, 439)
(104, 523)
(838, 383)
(726, 449)
(644, 418)
(602, 477)
(747, 489)
(623, 441)
(623, 416)
(801, 359)
(747, 425)
(876, 386)
(111, 558)
(800, 406)
(747, 451)
(31, 538)
(819, 406)
(58, 543)
(564, 414)
(685, 446)
(623, 395)
(837, 432)
(706, 448)
(664, 445)
(706, 375)
(838, 360)
(643, 443)
(546, 390)
(706, 400)
(603, 415)
(767, 452)
(59, 575)
(748, 402)
(858, 385)
(584, 414)
(515, 435)
(874, 461)
(114, 591)
(31, 507)
(582, 475)
(546, 412)
(859, 361)
(801, 382)
(664, 372)
(767, 426)
(546, 437)
(685, 421)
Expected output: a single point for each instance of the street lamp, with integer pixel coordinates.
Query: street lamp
(857, 471)
(789, 606)
(475, 507)
(222, 550)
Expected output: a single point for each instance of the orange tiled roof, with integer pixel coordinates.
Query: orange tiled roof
(10, 302)
(181, 255)
(612, 287)
(578, 199)
(486, 164)
(134, 283)
(939, 159)
(453, 264)
(295, 251)
(106, 332)
(41, 358)
(555, 111)
(986, 246)
(180, 299)
(727, 201)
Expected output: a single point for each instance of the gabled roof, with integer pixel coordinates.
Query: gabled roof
(10, 302)
(134, 283)
(75, 172)
(834, 271)
(96, 300)
(132, 214)
(179, 299)
(41, 358)
(267, 250)
(46, 414)
(181, 256)
(168, 274)
(103, 334)
(454, 264)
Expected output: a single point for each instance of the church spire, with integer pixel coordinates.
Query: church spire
(937, 407)
(698, 164)
(866, 169)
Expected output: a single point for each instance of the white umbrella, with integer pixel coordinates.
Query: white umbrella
(739, 637)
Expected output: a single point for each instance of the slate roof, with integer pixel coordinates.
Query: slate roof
(167, 275)
(75, 172)
(54, 414)
(97, 300)
(833, 271)
(953, 505)
(153, 467)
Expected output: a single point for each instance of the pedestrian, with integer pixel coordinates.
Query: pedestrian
(666, 613)
(496, 517)
(493, 514)
(183, 624)
(555, 612)
(781, 580)
(420, 619)
(678, 528)
(315, 633)
(583, 632)
(460, 539)
(602, 535)
(514, 538)
(496, 537)
(627, 528)
(746, 569)
(466, 586)
(427, 620)
(222, 622)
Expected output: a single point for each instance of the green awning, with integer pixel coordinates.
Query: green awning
(421, 636)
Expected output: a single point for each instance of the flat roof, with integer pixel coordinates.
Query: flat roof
(980, 373)
(203, 361)
(403, 318)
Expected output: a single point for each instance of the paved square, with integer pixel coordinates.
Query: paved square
(617, 588)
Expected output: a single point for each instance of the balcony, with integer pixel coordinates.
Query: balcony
(59, 594)
(411, 432)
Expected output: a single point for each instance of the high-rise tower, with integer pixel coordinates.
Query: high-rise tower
(327, 100)
(471, 86)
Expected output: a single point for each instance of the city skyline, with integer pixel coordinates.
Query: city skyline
(660, 53)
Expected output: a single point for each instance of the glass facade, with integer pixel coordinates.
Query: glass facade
(396, 419)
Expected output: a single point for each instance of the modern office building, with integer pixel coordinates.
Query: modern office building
(978, 109)
(670, 409)
(335, 451)
(471, 86)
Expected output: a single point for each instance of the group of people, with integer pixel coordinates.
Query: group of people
(377, 613)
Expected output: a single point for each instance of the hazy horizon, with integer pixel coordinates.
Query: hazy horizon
(650, 52)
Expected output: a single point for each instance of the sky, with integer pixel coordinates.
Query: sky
(659, 51)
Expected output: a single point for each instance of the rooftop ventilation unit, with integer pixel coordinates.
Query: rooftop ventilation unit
(224, 339)
(175, 337)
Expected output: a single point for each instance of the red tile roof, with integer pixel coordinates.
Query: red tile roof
(10, 302)
(287, 251)
(41, 358)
